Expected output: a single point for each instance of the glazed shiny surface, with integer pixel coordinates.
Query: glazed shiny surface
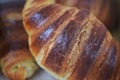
(74, 46)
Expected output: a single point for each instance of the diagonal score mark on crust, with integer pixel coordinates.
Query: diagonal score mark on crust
(55, 64)
(116, 73)
(33, 6)
(39, 19)
(83, 19)
(43, 54)
(39, 39)
(50, 21)
(89, 51)
(77, 49)
(57, 32)
(102, 52)
(63, 45)
(50, 43)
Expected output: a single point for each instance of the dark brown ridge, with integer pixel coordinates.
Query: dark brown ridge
(40, 17)
(48, 33)
(116, 73)
(107, 67)
(105, 63)
(90, 51)
(64, 43)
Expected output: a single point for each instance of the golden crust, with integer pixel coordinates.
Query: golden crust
(74, 49)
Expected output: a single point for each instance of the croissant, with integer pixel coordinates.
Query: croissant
(16, 60)
(70, 43)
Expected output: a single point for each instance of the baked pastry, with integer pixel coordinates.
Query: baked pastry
(16, 61)
(70, 43)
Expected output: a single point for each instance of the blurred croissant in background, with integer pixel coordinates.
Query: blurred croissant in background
(106, 10)
(16, 60)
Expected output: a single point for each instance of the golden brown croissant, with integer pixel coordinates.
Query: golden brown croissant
(16, 60)
(70, 43)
